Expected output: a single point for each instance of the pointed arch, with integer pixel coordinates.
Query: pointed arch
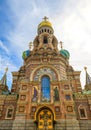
(42, 107)
(82, 112)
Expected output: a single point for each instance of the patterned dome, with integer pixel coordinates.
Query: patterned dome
(25, 54)
(45, 23)
(65, 53)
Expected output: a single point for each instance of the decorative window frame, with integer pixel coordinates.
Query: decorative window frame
(57, 109)
(69, 108)
(8, 108)
(42, 75)
(66, 87)
(24, 87)
(68, 99)
(21, 109)
(23, 97)
(82, 107)
(34, 72)
(48, 71)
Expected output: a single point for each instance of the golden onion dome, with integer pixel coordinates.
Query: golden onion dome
(45, 23)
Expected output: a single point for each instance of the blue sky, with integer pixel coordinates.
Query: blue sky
(19, 19)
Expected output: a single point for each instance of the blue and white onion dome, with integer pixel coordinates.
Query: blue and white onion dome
(25, 54)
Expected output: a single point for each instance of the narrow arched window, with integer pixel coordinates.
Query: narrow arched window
(45, 40)
(82, 112)
(45, 88)
(9, 112)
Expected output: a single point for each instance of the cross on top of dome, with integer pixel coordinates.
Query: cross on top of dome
(45, 18)
(61, 44)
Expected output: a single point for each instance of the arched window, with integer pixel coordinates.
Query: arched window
(45, 88)
(82, 112)
(9, 112)
(45, 40)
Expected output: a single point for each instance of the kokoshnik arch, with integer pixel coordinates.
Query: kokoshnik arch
(46, 92)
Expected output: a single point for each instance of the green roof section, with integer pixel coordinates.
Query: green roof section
(87, 92)
(65, 53)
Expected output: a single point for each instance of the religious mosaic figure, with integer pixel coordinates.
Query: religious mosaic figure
(35, 95)
(56, 94)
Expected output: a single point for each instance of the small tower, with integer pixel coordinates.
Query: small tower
(45, 42)
(3, 82)
(88, 80)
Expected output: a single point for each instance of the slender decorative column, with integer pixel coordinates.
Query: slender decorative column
(51, 94)
(39, 95)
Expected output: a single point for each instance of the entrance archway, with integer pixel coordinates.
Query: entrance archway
(45, 119)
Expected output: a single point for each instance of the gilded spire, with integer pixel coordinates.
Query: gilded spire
(3, 81)
(88, 78)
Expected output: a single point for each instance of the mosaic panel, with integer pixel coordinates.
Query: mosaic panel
(45, 71)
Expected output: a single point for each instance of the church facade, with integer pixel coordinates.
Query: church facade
(46, 92)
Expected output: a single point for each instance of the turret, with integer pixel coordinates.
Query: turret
(3, 83)
(45, 41)
(88, 80)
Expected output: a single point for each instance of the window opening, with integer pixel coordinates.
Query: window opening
(45, 88)
(82, 113)
(45, 40)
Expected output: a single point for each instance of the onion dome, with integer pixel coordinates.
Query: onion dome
(45, 23)
(45, 26)
(25, 54)
(65, 53)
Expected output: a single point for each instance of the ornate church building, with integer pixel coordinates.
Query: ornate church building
(46, 92)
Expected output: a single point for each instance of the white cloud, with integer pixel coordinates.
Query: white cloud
(25, 20)
(73, 27)
(4, 47)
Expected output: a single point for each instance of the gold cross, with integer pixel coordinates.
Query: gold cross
(45, 18)
(61, 44)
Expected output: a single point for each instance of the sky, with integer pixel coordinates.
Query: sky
(19, 19)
